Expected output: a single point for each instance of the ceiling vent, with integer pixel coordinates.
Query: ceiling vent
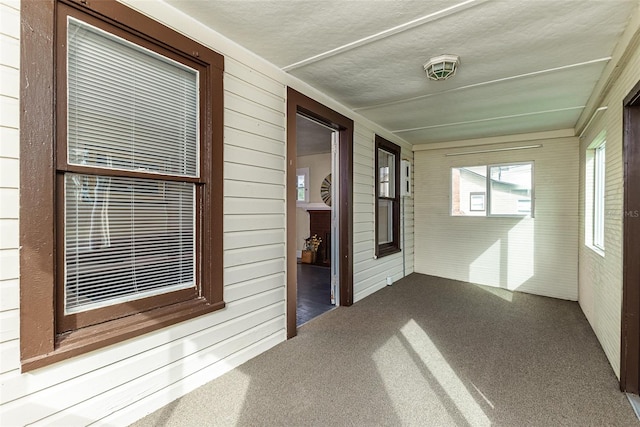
(442, 67)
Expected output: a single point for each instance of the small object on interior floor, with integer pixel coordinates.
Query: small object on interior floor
(307, 257)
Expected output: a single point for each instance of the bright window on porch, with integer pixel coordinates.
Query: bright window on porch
(493, 190)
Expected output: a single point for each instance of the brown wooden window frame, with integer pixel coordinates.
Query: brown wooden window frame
(48, 334)
(384, 249)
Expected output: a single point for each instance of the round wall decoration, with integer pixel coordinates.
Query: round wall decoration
(325, 190)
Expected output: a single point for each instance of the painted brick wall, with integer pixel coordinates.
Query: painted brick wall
(600, 276)
(535, 255)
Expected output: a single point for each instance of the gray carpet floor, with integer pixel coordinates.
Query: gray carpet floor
(426, 351)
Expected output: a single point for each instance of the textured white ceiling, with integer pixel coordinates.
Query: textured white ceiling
(526, 65)
(312, 137)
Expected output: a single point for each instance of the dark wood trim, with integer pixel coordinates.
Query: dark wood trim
(37, 156)
(123, 17)
(41, 191)
(393, 247)
(93, 170)
(346, 212)
(299, 103)
(630, 334)
(633, 97)
(212, 159)
(108, 333)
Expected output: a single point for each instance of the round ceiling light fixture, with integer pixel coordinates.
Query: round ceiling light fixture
(442, 67)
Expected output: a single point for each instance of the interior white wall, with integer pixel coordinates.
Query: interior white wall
(123, 382)
(319, 167)
(535, 255)
(600, 276)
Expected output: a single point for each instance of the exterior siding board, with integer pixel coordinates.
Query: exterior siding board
(255, 143)
(250, 173)
(248, 239)
(247, 156)
(238, 104)
(255, 286)
(248, 124)
(246, 222)
(9, 184)
(370, 274)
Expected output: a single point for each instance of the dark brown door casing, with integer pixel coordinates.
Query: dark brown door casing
(630, 340)
(299, 103)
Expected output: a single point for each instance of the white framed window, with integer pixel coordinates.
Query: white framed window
(492, 190)
(128, 237)
(594, 206)
(468, 186)
(510, 188)
(302, 185)
(598, 206)
(599, 196)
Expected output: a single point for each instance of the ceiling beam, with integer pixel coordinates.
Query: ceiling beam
(493, 140)
(386, 33)
(627, 45)
(511, 116)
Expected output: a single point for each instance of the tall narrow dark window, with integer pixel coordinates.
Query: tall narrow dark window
(387, 166)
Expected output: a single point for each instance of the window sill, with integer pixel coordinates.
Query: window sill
(471, 215)
(98, 336)
(383, 252)
(596, 249)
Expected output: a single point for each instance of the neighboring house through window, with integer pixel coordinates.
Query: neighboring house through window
(493, 190)
(387, 164)
(136, 198)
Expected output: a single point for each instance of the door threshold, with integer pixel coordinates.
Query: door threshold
(315, 317)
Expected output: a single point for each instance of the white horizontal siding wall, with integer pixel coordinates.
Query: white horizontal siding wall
(9, 184)
(369, 274)
(152, 370)
(121, 383)
(600, 277)
(535, 255)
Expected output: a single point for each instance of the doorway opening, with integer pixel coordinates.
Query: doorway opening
(317, 228)
(630, 337)
(327, 204)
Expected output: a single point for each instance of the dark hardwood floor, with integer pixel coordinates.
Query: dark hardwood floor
(314, 292)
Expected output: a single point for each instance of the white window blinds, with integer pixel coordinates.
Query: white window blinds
(129, 109)
(125, 239)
